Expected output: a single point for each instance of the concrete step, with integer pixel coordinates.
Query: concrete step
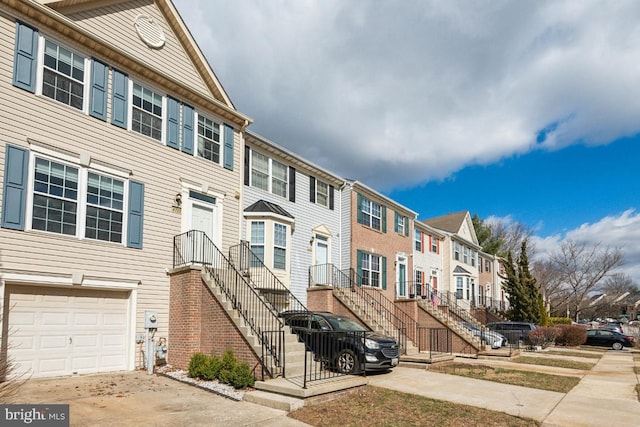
(274, 400)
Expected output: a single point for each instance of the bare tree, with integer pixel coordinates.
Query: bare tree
(550, 285)
(582, 268)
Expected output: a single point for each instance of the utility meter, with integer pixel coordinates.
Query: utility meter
(151, 320)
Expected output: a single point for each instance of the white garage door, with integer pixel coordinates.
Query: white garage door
(63, 332)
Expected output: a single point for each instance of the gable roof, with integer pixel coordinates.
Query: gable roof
(53, 14)
(450, 222)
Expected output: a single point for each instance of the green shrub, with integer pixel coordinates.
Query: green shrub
(559, 321)
(571, 335)
(198, 365)
(242, 376)
(212, 369)
(227, 366)
(543, 336)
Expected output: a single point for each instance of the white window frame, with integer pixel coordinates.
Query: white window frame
(459, 288)
(400, 224)
(42, 38)
(196, 137)
(263, 244)
(456, 251)
(368, 277)
(320, 194)
(163, 127)
(276, 246)
(83, 167)
(368, 214)
(465, 255)
(417, 237)
(269, 173)
(434, 245)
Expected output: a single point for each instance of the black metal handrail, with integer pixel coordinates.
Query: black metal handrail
(374, 307)
(263, 279)
(447, 302)
(195, 247)
(434, 340)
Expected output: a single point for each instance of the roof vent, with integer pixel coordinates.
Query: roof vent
(149, 31)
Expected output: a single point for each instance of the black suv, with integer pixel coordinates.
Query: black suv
(342, 343)
(511, 330)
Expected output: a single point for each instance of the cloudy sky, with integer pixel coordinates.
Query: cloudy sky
(524, 110)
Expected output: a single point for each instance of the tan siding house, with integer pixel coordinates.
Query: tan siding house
(101, 165)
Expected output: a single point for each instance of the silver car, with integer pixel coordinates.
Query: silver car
(492, 338)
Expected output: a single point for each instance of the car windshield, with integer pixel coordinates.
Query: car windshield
(345, 324)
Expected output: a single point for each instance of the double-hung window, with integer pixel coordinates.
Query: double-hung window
(434, 245)
(105, 205)
(418, 240)
(63, 75)
(208, 139)
(322, 193)
(259, 171)
(279, 246)
(370, 213)
(257, 240)
(146, 113)
(77, 202)
(371, 270)
(459, 288)
(465, 255)
(487, 265)
(55, 197)
(279, 178)
(456, 251)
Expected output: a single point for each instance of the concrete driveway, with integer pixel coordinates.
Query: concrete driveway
(139, 399)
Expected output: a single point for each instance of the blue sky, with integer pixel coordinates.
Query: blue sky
(522, 111)
(551, 191)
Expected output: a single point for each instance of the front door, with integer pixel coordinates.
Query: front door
(203, 218)
(321, 261)
(401, 277)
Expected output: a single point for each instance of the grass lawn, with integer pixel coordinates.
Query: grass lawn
(372, 406)
(560, 363)
(574, 353)
(529, 379)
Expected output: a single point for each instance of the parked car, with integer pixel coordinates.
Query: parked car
(607, 338)
(613, 327)
(492, 338)
(343, 343)
(511, 330)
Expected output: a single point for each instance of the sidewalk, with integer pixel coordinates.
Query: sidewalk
(605, 396)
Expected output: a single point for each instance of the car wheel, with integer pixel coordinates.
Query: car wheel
(346, 362)
(617, 346)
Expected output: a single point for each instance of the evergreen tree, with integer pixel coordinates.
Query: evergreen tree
(525, 301)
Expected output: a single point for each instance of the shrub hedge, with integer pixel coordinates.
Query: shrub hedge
(226, 369)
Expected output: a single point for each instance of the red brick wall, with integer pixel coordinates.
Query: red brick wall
(198, 323)
(384, 244)
(458, 345)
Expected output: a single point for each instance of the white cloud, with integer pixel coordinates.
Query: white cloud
(418, 89)
(622, 231)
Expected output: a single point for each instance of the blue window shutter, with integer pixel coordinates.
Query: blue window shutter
(14, 194)
(187, 129)
(119, 89)
(359, 256)
(228, 147)
(136, 213)
(98, 98)
(384, 272)
(383, 210)
(25, 59)
(292, 184)
(173, 123)
(360, 199)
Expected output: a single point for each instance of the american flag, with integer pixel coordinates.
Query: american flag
(435, 299)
